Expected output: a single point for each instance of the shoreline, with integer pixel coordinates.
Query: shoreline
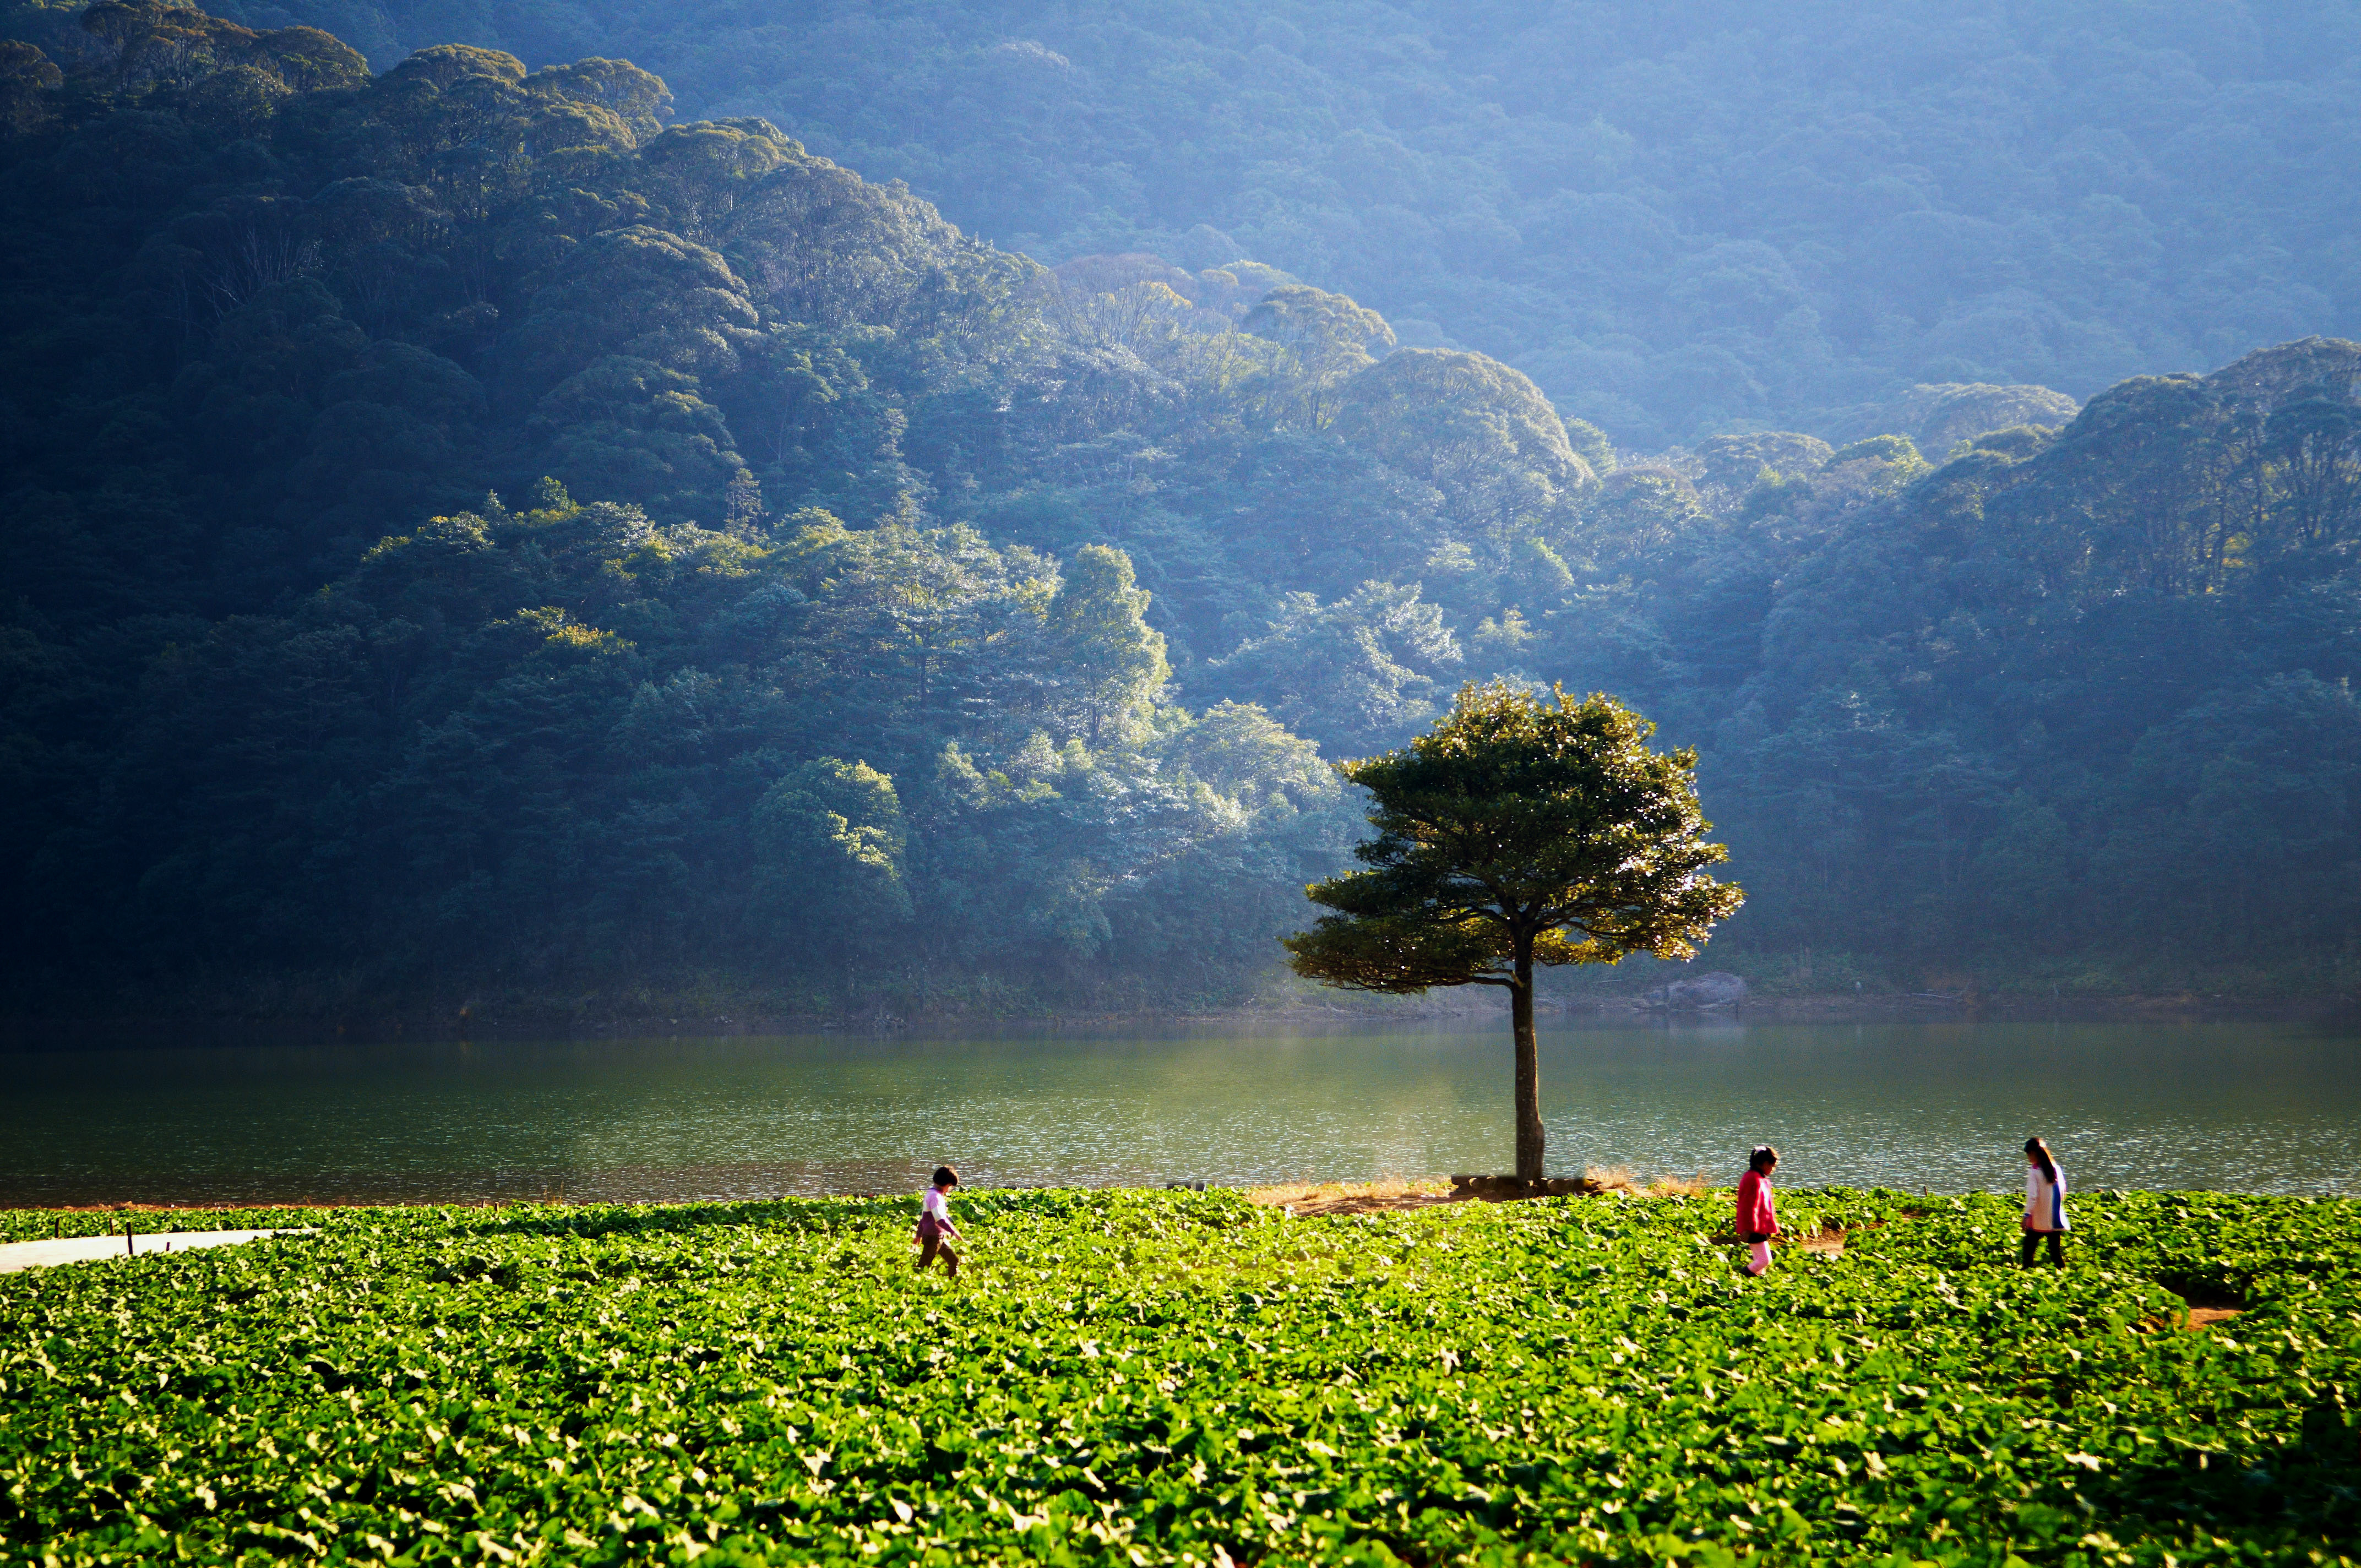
(468, 1024)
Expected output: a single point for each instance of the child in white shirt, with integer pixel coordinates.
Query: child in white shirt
(935, 1222)
(2045, 1205)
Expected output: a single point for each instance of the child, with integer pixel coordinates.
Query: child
(1757, 1220)
(2045, 1205)
(935, 1222)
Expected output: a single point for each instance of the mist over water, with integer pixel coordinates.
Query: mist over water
(2251, 1107)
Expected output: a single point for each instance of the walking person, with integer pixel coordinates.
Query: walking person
(935, 1222)
(2045, 1205)
(1758, 1218)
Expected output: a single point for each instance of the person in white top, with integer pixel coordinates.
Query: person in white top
(2045, 1205)
(935, 1222)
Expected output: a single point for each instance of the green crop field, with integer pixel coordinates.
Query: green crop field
(1133, 1378)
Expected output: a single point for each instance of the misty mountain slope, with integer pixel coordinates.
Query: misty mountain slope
(2078, 693)
(472, 536)
(1677, 218)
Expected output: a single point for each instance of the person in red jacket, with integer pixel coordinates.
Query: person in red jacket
(1758, 1221)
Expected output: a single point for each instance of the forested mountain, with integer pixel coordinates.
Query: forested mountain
(1675, 216)
(469, 535)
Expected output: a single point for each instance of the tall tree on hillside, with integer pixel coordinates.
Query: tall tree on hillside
(1519, 831)
(1476, 430)
(830, 851)
(1098, 624)
(1328, 337)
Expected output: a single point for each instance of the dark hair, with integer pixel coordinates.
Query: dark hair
(1764, 1155)
(946, 1177)
(2040, 1153)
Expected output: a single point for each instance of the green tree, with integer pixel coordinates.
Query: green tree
(901, 619)
(829, 843)
(1478, 431)
(1329, 339)
(2314, 445)
(1519, 831)
(1356, 673)
(1114, 660)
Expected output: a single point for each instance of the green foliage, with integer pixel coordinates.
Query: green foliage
(1128, 1377)
(1097, 618)
(1352, 675)
(1983, 696)
(1698, 219)
(1515, 832)
(293, 697)
(1329, 338)
(1481, 432)
(833, 848)
(1519, 830)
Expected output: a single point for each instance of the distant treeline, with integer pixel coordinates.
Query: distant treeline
(1674, 215)
(468, 537)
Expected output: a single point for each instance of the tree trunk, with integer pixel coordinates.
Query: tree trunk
(1529, 1069)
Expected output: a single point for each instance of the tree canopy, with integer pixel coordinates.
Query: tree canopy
(1675, 218)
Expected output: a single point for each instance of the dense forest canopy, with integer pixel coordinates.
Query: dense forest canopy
(472, 534)
(1677, 217)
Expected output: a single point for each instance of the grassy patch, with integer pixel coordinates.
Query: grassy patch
(1138, 1377)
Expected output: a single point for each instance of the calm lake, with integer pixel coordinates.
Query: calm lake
(2254, 1107)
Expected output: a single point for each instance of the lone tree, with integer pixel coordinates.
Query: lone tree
(1520, 830)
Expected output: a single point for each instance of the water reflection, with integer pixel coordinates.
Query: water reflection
(2259, 1107)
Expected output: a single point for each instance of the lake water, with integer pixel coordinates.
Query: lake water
(2253, 1107)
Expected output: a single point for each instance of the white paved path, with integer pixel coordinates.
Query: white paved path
(15, 1256)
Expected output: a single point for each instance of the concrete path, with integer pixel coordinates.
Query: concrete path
(15, 1256)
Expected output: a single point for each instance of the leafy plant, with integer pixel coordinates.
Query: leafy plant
(1128, 1377)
